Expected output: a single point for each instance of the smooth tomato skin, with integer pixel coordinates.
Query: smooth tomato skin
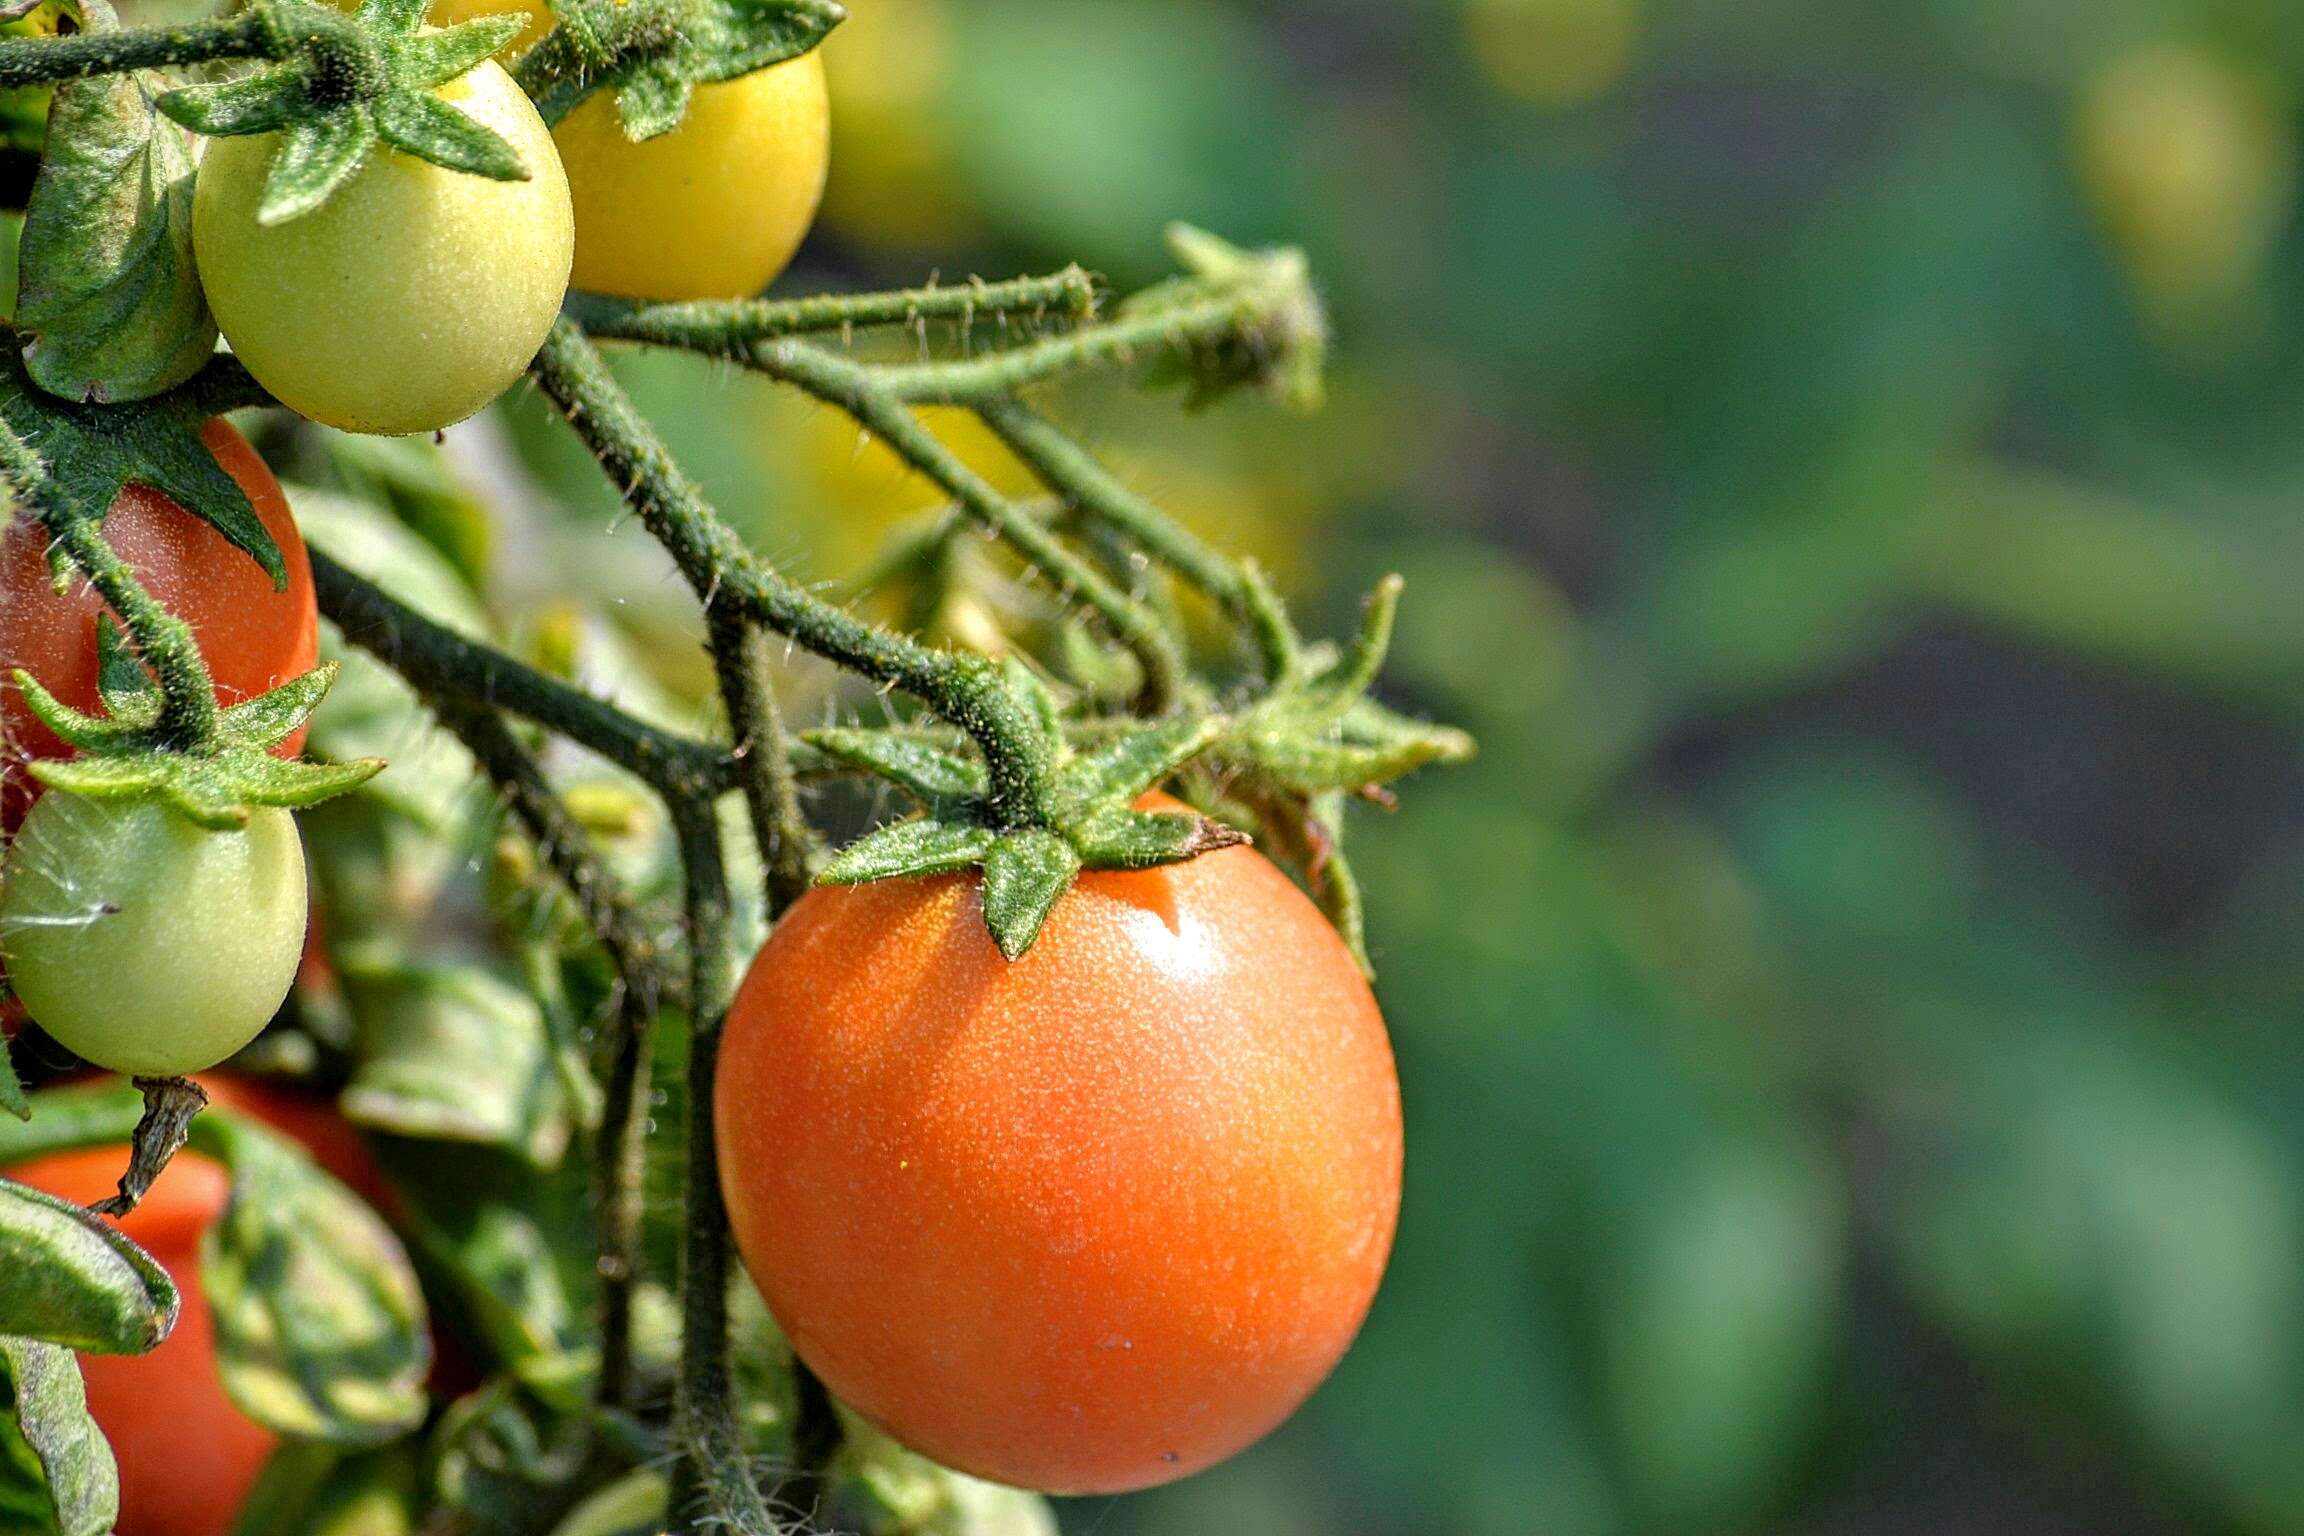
(1087, 1222)
(145, 944)
(187, 1456)
(411, 298)
(715, 208)
(253, 637)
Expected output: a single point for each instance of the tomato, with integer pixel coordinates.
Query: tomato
(253, 638)
(1087, 1222)
(715, 208)
(144, 943)
(411, 298)
(187, 1456)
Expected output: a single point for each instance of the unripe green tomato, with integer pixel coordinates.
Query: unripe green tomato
(144, 943)
(412, 297)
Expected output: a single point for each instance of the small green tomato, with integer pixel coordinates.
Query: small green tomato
(144, 943)
(413, 296)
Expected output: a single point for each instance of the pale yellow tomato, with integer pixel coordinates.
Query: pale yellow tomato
(713, 209)
(412, 297)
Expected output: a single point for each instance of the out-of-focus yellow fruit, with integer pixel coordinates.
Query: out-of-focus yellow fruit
(891, 64)
(1557, 53)
(2190, 166)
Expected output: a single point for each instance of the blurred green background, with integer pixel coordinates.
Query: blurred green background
(1847, 460)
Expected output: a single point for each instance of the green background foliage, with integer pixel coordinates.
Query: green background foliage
(1846, 463)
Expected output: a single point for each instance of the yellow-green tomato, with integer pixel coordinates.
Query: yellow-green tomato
(146, 944)
(412, 297)
(713, 209)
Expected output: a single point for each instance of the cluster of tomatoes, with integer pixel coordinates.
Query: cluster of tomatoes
(1084, 1222)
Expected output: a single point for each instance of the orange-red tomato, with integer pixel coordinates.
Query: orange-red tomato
(253, 637)
(187, 1456)
(1086, 1222)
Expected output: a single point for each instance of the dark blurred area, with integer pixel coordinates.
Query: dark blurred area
(1846, 459)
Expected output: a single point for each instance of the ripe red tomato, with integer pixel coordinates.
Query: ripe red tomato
(187, 1456)
(1086, 1222)
(253, 637)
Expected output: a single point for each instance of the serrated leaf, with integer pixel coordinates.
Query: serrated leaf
(71, 1484)
(110, 297)
(70, 1278)
(922, 769)
(908, 848)
(254, 104)
(316, 156)
(320, 1326)
(1025, 875)
(435, 58)
(423, 125)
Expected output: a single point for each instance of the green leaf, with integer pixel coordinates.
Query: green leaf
(320, 1326)
(70, 1278)
(83, 1115)
(12, 1100)
(922, 769)
(310, 1489)
(56, 1473)
(907, 848)
(90, 452)
(109, 295)
(912, 1496)
(423, 125)
(316, 156)
(455, 1053)
(1025, 875)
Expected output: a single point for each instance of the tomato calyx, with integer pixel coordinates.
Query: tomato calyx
(1281, 347)
(89, 452)
(124, 753)
(335, 104)
(654, 53)
(1091, 819)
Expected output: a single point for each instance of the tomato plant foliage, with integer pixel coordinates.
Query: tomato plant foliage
(1052, 1141)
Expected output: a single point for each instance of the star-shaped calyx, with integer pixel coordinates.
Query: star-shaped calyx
(88, 452)
(654, 53)
(357, 80)
(1092, 819)
(123, 756)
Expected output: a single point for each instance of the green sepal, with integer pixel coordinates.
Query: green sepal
(269, 719)
(329, 132)
(1121, 769)
(91, 453)
(217, 792)
(1125, 839)
(713, 40)
(1284, 353)
(109, 296)
(1033, 690)
(84, 732)
(909, 848)
(923, 769)
(56, 1471)
(130, 694)
(1025, 874)
(70, 1278)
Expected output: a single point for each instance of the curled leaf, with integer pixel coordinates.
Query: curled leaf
(68, 1277)
(73, 1485)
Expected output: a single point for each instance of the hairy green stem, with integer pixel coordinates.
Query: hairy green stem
(261, 31)
(731, 328)
(443, 664)
(856, 390)
(1075, 474)
(969, 691)
(763, 755)
(188, 713)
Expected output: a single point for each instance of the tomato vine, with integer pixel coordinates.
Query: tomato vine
(1033, 790)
